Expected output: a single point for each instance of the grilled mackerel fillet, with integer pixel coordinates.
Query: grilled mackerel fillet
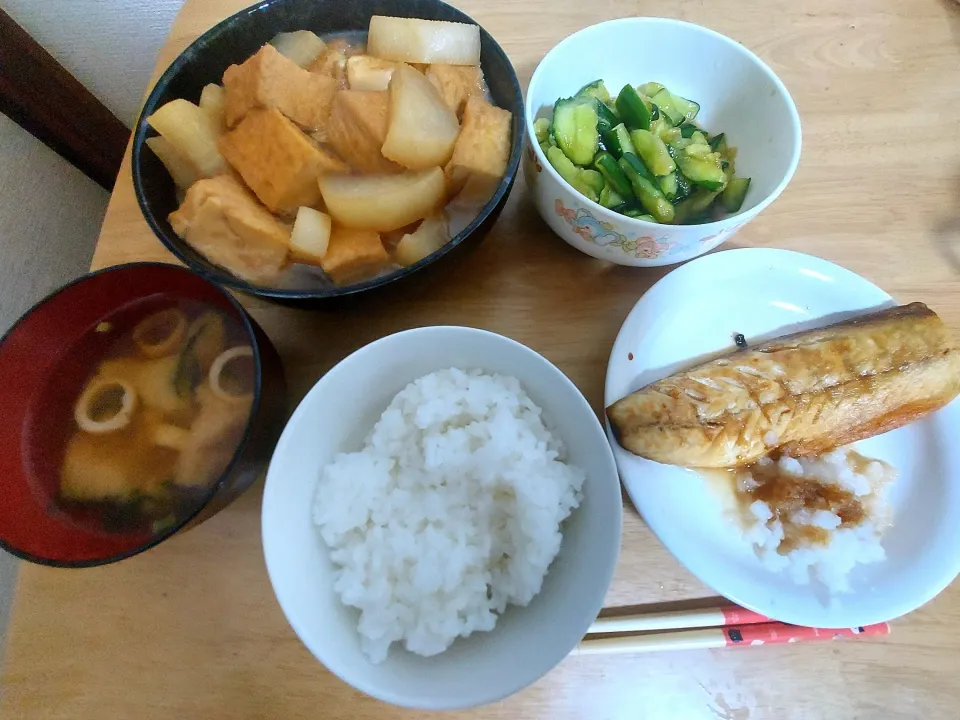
(801, 394)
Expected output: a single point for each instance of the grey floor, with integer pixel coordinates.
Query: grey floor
(50, 216)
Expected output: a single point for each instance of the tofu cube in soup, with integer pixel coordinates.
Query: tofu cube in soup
(89, 474)
(369, 73)
(353, 255)
(225, 223)
(482, 151)
(422, 129)
(383, 202)
(270, 80)
(357, 129)
(423, 41)
(192, 133)
(457, 83)
(279, 163)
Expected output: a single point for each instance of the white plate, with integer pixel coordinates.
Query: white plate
(695, 311)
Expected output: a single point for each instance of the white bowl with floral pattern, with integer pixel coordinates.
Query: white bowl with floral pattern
(738, 95)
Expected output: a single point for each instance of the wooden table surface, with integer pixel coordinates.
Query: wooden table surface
(192, 630)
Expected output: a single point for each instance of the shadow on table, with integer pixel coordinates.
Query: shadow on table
(708, 603)
(947, 229)
(953, 17)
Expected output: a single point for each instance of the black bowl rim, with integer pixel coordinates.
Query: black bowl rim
(214, 273)
(241, 445)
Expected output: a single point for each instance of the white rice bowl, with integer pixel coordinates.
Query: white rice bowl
(451, 511)
(829, 563)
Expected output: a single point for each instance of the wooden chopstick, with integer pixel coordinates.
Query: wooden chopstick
(677, 620)
(768, 633)
(724, 626)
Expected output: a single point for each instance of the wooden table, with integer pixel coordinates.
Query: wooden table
(191, 629)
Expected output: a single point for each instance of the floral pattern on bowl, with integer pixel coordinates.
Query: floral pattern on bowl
(604, 234)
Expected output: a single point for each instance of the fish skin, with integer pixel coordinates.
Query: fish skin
(801, 394)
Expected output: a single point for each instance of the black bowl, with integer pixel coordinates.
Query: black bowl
(240, 36)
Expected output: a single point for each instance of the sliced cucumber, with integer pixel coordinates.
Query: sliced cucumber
(645, 188)
(541, 128)
(562, 164)
(575, 127)
(638, 214)
(633, 111)
(618, 142)
(595, 89)
(659, 126)
(734, 193)
(684, 187)
(698, 150)
(695, 206)
(653, 152)
(654, 160)
(606, 165)
(664, 100)
(592, 179)
(668, 186)
(606, 118)
(650, 89)
(704, 170)
(610, 198)
(670, 134)
(687, 108)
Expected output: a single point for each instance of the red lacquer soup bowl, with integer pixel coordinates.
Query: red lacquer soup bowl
(138, 401)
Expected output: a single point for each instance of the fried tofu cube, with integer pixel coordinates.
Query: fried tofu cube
(357, 129)
(279, 163)
(483, 148)
(271, 80)
(353, 255)
(457, 83)
(225, 223)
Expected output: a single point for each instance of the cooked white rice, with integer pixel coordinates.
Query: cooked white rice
(450, 512)
(848, 546)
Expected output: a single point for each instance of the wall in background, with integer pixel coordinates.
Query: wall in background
(108, 45)
(50, 215)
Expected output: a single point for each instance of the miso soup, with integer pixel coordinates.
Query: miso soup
(158, 416)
